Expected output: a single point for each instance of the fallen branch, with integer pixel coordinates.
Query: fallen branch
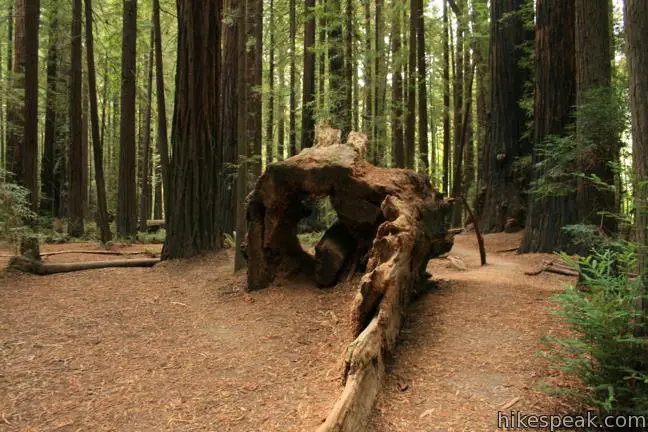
(508, 250)
(90, 252)
(35, 267)
(551, 267)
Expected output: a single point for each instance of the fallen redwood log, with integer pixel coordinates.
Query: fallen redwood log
(27, 265)
(93, 252)
(396, 222)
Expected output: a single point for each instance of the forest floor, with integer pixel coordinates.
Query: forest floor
(179, 347)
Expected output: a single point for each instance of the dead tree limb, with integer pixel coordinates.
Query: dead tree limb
(90, 252)
(26, 265)
(480, 239)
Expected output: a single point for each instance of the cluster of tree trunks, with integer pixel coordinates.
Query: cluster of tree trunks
(390, 223)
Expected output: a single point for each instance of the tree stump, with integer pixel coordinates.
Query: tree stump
(30, 247)
(392, 219)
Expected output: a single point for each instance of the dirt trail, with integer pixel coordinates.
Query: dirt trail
(177, 347)
(470, 347)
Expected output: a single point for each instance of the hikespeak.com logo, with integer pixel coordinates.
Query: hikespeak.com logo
(589, 420)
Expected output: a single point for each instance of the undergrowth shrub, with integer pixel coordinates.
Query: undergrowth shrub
(608, 351)
(15, 212)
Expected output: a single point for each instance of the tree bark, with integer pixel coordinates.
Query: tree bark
(446, 100)
(380, 86)
(635, 18)
(458, 109)
(229, 114)
(15, 113)
(410, 126)
(193, 225)
(398, 150)
(505, 196)
(102, 207)
(308, 46)
(271, 93)
(30, 130)
(76, 222)
(308, 98)
(127, 193)
(145, 185)
(48, 163)
(422, 88)
(339, 111)
(162, 140)
(554, 102)
(8, 155)
(36, 267)
(597, 149)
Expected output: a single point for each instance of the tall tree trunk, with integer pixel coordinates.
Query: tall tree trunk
(97, 146)
(243, 137)
(481, 59)
(410, 126)
(162, 134)
(349, 62)
(48, 185)
(398, 149)
(468, 163)
(554, 102)
(458, 108)
(145, 199)
(292, 120)
(10, 122)
(30, 131)
(229, 113)
(271, 93)
(505, 195)
(85, 148)
(308, 98)
(281, 118)
(635, 18)
(368, 116)
(308, 46)
(321, 58)
(75, 196)
(193, 225)
(380, 86)
(422, 88)
(340, 114)
(597, 149)
(127, 192)
(15, 113)
(255, 72)
(446, 99)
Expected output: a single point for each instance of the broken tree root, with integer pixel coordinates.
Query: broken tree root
(26, 265)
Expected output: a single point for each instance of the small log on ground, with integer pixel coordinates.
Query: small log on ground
(27, 265)
(397, 222)
(154, 225)
(93, 252)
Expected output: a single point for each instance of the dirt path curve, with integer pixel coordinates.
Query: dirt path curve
(470, 347)
(172, 348)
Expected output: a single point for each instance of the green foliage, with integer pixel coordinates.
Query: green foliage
(15, 212)
(601, 120)
(152, 238)
(310, 240)
(606, 352)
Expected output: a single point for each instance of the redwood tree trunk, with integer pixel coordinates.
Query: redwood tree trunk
(30, 130)
(410, 126)
(422, 88)
(398, 150)
(75, 224)
(554, 102)
(127, 196)
(163, 146)
(145, 198)
(102, 207)
(193, 225)
(505, 195)
(271, 95)
(308, 98)
(228, 117)
(598, 149)
(636, 17)
(446, 100)
(48, 181)
(308, 44)
(15, 113)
